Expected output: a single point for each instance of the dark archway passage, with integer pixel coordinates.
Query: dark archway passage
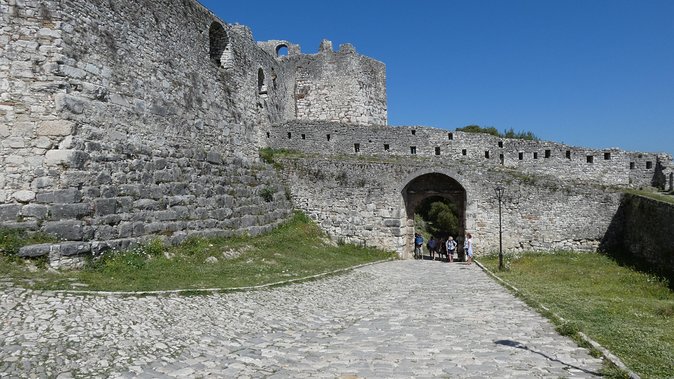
(433, 185)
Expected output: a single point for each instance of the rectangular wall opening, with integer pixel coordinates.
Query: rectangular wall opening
(450, 136)
(590, 158)
(437, 151)
(356, 147)
(464, 152)
(327, 136)
(520, 155)
(535, 155)
(632, 165)
(607, 156)
(413, 150)
(548, 153)
(290, 135)
(304, 136)
(486, 154)
(386, 147)
(568, 154)
(649, 165)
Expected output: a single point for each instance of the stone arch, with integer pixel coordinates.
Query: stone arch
(218, 42)
(281, 50)
(426, 184)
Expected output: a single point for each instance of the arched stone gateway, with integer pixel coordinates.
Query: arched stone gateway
(428, 185)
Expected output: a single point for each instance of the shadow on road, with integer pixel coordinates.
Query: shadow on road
(519, 345)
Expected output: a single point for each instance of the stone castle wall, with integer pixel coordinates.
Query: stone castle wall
(643, 228)
(361, 201)
(121, 124)
(529, 158)
(122, 121)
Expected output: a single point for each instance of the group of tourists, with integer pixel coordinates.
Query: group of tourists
(442, 247)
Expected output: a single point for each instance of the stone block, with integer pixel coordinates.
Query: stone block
(24, 196)
(74, 248)
(33, 251)
(56, 128)
(68, 158)
(70, 230)
(66, 196)
(35, 210)
(70, 211)
(69, 103)
(105, 206)
(9, 212)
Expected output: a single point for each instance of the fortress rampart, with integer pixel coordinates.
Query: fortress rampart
(124, 121)
(609, 167)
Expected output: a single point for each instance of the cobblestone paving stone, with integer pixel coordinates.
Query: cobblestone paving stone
(399, 319)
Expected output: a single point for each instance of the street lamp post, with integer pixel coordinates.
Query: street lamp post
(499, 195)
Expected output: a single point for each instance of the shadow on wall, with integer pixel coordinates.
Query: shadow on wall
(641, 236)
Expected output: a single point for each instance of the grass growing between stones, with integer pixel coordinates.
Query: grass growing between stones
(628, 312)
(295, 250)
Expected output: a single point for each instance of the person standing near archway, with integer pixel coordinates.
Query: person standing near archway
(468, 248)
(450, 245)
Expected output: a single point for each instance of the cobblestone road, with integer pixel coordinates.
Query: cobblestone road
(399, 319)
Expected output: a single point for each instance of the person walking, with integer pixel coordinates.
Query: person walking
(432, 247)
(468, 248)
(450, 246)
(418, 245)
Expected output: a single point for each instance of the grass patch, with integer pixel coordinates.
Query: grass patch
(660, 196)
(296, 249)
(628, 312)
(11, 240)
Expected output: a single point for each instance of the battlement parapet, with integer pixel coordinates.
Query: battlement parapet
(568, 163)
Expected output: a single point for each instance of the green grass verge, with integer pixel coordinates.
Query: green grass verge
(296, 249)
(660, 196)
(628, 312)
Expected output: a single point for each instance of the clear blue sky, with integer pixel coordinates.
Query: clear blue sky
(593, 73)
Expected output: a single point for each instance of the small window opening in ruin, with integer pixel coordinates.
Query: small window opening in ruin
(568, 154)
(413, 150)
(218, 40)
(356, 147)
(414, 132)
(548, 153)
(640, 156)
(464, 152)
(520, 155)
(282, 50)
(535, 155)
(327, 136)
(607, 156)
(261, 87)
(304, 136)
(386, 147)
(486, 154)
(273, 78)
(290, 135)
(437, 150)
(500, 143)
(501, 158)
(590, 158)
(632, 165)
(450, 136)
(268, 135)
(649, 165)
